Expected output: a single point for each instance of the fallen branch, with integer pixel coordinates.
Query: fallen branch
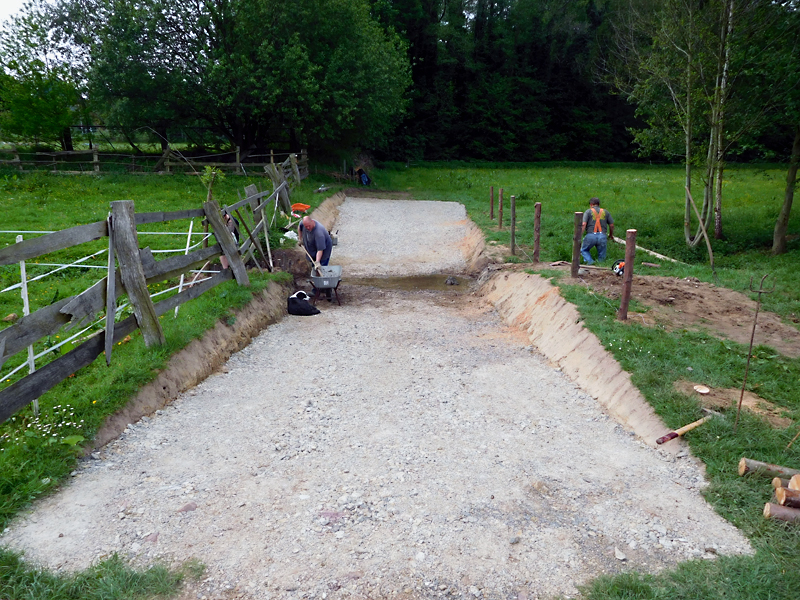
(748, 465)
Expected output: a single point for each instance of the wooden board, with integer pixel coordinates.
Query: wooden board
(226, 241)
(52, 242)
(158, 217)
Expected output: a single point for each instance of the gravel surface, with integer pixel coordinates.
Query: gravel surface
(403, 443)
(386, 238)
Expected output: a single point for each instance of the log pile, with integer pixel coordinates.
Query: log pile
(786, 485)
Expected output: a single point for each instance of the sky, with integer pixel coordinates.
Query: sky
(8, 8)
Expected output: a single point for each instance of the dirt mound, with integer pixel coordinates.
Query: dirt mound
(693, 304)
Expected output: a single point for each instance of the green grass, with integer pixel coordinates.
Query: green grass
(110, 579)
(647, 198)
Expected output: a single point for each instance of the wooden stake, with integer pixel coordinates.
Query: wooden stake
(748, 465)
(627, 274)
(26, 310)
(111, 293)
(537, 226)
(782, 513)
(788, 497)
(126, 247)
(500, 210)
(513, 225)
(491, 203)
(576, 244)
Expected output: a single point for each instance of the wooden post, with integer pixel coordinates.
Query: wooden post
(26, 310)
(166, 164)
(627, 275)
(55, 164)
(500, 209)
(537, 227)
(96, 161)
(271, 157)
(226, 242)
(133, 163)
(126, 247)
(513, 225)
(111, 294)
(295, 169)
(183, 275)
(491, 203)
(16, 158)
(238, 161)
(576, 244)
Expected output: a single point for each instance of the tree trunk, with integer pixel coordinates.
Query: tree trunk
(688, 129)
(781, 225)
(749, 465)
(66, 140)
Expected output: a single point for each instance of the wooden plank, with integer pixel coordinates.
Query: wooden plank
(126, 245)
(226, 241)
(52, 242)
(271, 198)
(159, 217)
(238, 205)
(111, 295)
(86, 304)
(30, 329)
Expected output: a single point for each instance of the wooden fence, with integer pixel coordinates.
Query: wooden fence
(137, 269)
(172, 161)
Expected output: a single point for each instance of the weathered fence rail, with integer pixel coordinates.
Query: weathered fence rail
(136, 270)
(172, 161)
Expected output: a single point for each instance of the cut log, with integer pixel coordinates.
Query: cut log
(748, 465)
(779, 482)
(782, 513)
(794, 483)
(787, 497)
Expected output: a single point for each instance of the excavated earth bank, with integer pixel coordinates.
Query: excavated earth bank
(404, 444)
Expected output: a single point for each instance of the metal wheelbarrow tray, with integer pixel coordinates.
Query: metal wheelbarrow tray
(329, 279)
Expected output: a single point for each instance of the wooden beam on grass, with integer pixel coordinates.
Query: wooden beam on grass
(749, 465)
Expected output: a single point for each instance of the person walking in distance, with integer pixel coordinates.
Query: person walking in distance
(598, 227)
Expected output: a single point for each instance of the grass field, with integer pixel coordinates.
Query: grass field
(646, 198)
(642, 197)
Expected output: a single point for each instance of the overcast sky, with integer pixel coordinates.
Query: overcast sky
(8, 8)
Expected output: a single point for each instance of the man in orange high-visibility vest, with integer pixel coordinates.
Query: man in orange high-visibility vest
(600, 226)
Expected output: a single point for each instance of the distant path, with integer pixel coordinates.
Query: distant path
(399, 237)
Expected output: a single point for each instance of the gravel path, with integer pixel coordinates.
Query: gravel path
(403, 443)
(383, 238)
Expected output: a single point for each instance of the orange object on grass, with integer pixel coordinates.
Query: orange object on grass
(300, 207)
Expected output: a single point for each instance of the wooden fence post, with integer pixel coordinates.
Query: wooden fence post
(627, 274)
(238, 160)
(123, 220)
(491, 203)
(513, 225)
(500, 209)
(576, 244)
(26, 310)
(111, 293)
(226, 242)
(537, 229)
(96, 160)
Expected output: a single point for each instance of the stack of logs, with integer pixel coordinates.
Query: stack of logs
(786, 483)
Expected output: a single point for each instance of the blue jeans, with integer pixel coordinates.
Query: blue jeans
(590, 241)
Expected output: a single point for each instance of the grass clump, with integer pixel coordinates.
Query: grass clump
(109, 579)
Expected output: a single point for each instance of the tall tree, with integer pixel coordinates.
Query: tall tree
(39, 96)
(321, 70)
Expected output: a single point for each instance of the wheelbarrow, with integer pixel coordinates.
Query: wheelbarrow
(327, 278)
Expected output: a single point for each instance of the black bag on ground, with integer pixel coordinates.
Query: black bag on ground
(298, 304)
